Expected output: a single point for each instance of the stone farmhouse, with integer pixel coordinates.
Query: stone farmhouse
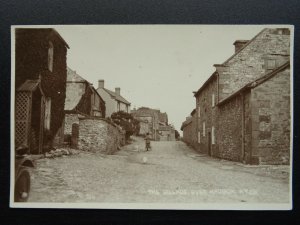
(114, 102)
(40, 88)
(154, 122)
(85, 125)
(82, 100)
(243, 110)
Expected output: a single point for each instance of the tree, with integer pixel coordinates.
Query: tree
(129, 124)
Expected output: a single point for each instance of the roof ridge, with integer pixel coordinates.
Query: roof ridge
(245, 45)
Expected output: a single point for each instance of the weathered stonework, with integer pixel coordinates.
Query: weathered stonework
(250, 63)
(251, 118)
(230, 130)
(207, 118)
(271, 119)
(97, 135)
(70, 119)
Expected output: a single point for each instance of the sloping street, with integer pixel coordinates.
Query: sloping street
(170, 172)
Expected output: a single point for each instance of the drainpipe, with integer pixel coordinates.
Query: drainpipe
(243, 129)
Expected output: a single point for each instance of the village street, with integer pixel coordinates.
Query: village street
(170, 172)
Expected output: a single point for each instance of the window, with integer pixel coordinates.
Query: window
(118, 106)
(213, 135)
(199, 137)
(203, 129)
(50, 56)
(47, 113)
(199, 111)
(213, 100)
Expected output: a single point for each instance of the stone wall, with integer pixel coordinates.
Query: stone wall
(144, 128)
(207, 118)
(98, 135)
(230, 129)
(69, 120)
(271, 119)
(251, 62)
(187, 133)
(167, 135)
(247, 155)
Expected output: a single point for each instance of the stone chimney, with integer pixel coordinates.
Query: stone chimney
(238, 44)
(100, 83)
(188, 118)
(118, 91)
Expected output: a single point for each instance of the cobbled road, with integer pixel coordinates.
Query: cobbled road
(169, 173)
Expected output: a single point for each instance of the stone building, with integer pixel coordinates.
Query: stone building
(189, 128)
(154, 122)
(238, 116)
(82, 100)
(254, 122)
(114, 101)
(149, 121)
(40, 88)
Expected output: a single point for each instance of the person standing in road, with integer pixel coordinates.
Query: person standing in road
(147, 141)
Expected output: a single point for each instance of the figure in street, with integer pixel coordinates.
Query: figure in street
(147, 142)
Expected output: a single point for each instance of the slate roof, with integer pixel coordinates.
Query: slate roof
(117, 97)
(185, 123)
(72, 77)
(29, 85)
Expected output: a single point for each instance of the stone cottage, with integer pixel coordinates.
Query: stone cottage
(254, 122)
(189, 129)
(114, 101)
(149, 121)
(82, 100)
(237, 117)
(154, 122)
(40, 87)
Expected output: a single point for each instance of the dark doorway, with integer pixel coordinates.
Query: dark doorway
(35, 128)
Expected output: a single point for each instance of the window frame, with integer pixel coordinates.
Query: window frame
(47, 117)
(50, 56)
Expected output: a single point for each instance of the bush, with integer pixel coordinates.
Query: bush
(127, 122)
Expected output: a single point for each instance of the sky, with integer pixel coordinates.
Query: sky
(156, 66)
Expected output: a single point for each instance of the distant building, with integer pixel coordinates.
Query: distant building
(189, 129)
(82, 100)
(154, 122)
(149, 121)
(40, 85)
(243, 109)
(114, 102)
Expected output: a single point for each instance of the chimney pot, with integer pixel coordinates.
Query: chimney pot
(100, 83)
(118, 91)
(238, 44)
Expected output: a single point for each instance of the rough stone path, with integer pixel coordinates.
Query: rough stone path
(170, 173)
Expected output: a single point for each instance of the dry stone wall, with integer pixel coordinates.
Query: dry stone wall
(70, 119)
(98, 135)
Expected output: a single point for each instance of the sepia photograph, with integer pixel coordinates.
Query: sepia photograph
(152, 116)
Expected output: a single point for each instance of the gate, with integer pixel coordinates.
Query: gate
(22, 118)
(29, 96)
